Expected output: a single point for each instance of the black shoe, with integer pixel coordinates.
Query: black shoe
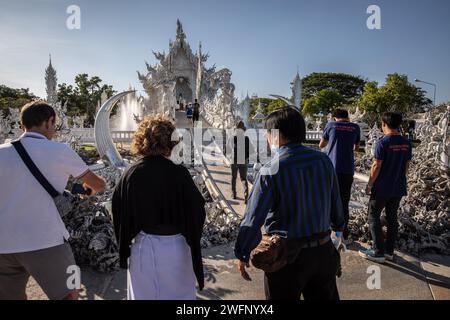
(234, 197)
(389, 256)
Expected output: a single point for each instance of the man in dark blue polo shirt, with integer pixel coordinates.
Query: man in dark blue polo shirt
(295, 195)
(387, 186)
(342, 138)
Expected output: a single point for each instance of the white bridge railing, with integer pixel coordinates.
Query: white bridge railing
(313, 135)
(87, 135)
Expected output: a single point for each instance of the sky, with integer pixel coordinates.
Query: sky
(263, 42)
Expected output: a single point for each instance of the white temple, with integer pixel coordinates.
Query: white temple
(181, 76)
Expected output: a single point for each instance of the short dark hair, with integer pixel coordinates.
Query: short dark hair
(392, 119)
(240, 125)
(34, 113)
(289, 122)
(340, 114)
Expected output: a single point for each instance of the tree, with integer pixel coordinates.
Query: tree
(83, 98)
(65, 96)
(273, 105)
(348, 86)
(397, 94)
(14, 98)
(325, 101)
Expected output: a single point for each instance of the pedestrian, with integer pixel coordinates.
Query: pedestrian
(241, 153)
(386, 187)
(33, 238)
(296, 195)
(158, 217)
(196, 111)
(342, 137)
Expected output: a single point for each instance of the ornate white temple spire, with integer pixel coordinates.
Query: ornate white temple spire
(180, 33)
(51, 82)
(297, 90)
(296, 87)
(259, 114)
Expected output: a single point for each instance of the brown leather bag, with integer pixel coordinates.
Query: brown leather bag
(271, 253)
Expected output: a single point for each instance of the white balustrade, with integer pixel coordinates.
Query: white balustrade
(87, 135)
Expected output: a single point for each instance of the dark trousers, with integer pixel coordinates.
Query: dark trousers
(195, 117)
(242, 169)
(311, 274)
(376, 205)
(345, 188)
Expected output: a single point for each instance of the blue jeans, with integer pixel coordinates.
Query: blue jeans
(376, 206)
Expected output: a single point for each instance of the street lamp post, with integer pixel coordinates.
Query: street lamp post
(431, 84)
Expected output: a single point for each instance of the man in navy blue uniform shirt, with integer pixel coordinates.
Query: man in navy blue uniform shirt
(342, 138)
(387, 186)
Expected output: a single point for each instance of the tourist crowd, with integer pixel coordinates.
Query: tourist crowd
(296, 216)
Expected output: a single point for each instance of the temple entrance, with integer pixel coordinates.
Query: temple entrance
(183, 92)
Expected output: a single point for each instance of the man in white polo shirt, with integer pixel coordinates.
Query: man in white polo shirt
(33, 238)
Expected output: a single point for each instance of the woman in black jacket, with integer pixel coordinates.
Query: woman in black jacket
(158, 217)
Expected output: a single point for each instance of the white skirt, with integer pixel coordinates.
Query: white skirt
(160, 268)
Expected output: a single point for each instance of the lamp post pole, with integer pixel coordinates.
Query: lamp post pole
(431, 84)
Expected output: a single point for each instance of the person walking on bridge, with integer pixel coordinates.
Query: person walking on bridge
(241, 153)
(386, 187)
(342, 138)
(296, 195)
(196, 112)
(158, 215)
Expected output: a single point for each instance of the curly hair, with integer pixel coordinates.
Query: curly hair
(154, 137)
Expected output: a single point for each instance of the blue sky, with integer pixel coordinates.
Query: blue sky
(261, 41)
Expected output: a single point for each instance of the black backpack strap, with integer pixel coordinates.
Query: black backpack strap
(33, 169)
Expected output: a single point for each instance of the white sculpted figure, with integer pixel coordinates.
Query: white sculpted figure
(445, 144)
(374, 135)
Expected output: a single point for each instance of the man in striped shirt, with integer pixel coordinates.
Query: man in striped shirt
(299, 199)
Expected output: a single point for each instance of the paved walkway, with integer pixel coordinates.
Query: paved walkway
(408, 278)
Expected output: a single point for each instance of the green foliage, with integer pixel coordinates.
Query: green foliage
(14, 98)
(324, 101)
(397, 94)
(268, 105)
(348, 86)
(273, 105)
(83, 98)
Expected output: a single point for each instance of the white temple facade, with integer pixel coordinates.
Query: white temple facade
(181, 76)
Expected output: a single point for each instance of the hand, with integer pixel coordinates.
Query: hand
(336, 234)
(369, 189)
(241, 266)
